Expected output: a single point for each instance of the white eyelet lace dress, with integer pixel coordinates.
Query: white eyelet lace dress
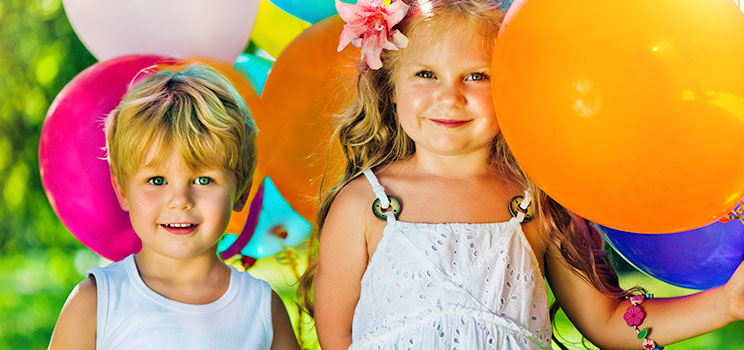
(451, 286)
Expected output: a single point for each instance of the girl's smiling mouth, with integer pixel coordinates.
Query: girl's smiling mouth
(450, 123)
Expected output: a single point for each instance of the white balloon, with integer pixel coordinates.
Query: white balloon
(218, 29)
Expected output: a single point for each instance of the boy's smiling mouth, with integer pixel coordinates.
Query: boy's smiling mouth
(180, 228)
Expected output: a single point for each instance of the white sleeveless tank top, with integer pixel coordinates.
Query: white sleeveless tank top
(451, 286)
(130, 315)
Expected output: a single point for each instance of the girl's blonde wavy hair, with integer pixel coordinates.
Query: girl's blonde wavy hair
(371, 136)
(193, 110)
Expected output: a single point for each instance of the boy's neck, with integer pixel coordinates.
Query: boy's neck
(198, 280)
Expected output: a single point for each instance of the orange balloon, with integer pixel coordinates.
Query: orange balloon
(245, 89)
(308, 84)
(630, 114)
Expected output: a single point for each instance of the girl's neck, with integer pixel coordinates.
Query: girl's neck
(455, 167)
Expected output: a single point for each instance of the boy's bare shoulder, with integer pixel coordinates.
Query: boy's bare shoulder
(84, 297)
(76, 326)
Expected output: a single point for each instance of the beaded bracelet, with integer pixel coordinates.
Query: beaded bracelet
(634, 317)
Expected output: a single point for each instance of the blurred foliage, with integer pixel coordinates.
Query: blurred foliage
(40, 261)
(39, 54)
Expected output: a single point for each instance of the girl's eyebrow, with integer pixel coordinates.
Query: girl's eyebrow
(475, 66)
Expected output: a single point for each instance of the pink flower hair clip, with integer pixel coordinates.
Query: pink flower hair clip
(369, 26)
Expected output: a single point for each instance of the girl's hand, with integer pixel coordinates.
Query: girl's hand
(734, 294)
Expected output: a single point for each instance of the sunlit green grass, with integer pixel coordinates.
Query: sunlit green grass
(278, 274)
(730, 337)
(35, 285)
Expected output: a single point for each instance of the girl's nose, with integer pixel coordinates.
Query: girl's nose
(450, 95)
(180, 199)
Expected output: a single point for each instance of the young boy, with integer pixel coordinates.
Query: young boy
(181, 152)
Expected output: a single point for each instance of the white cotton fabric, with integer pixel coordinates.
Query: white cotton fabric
(451, 286)
(132, 316)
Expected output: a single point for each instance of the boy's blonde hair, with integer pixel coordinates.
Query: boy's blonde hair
(193, 110)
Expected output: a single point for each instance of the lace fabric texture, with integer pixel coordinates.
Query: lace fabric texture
(452, 286)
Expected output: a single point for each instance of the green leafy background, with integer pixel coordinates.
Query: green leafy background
(40, 261)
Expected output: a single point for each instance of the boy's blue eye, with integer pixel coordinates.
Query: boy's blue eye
(425, 74)
(157, 181)
(203, 180)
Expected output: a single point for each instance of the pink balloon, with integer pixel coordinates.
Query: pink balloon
(111, 28)
(73, 170)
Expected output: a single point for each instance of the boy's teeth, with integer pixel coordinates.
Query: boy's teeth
(179, 225)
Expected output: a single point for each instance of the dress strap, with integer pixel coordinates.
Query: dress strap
(524, 206)
(377, 188)
(382, 206)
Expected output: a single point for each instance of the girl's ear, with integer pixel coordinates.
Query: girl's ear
(120, 195)
(243, 199)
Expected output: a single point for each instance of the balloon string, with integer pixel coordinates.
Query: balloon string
(737, 213)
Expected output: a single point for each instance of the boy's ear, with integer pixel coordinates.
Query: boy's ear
(120, 195)
(243, 199)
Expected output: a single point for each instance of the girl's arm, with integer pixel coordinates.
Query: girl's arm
(284, 337)
(76, 325)
(342, 260)
(600, 318)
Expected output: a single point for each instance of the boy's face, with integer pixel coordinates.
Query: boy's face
(176, 211)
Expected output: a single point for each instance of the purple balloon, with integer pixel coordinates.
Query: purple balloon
(698, 259)
(74, 173)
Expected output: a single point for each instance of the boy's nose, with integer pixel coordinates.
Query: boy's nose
(180, 199)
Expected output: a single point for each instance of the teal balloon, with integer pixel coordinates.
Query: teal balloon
(276, 219)
(226, 241)
(315, 10)
(256, 68)
(309, 10)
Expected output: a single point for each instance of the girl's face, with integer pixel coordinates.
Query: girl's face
(178, 212)
(443, 93)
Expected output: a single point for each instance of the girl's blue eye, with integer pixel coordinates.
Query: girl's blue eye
(477, 77)
(203, 180)
(157, 181)
(425, 74)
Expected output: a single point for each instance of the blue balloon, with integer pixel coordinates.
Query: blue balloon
(256, 68)
(698, 259)
(279, 226)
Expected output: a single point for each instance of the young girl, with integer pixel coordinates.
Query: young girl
(444, 242)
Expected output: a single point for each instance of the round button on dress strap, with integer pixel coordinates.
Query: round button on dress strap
(516, 209)
(395, 207)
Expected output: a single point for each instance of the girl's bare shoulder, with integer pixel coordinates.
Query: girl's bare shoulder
(358, 192)
(351, 209)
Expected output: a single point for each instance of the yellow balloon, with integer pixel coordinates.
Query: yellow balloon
(275, 29)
